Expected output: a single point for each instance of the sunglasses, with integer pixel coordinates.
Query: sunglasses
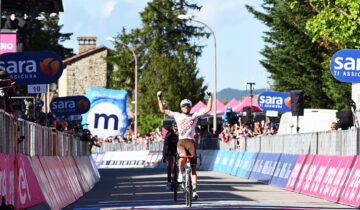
(186, 105)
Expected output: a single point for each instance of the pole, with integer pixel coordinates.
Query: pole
(252, 84)
(215, 74)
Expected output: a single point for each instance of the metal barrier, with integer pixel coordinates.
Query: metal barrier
(33, 139)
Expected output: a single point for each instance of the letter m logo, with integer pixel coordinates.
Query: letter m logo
(106, 120)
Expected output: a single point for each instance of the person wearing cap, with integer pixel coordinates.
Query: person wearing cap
(169, 151)
(186, 124)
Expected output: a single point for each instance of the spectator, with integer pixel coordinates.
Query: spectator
(333, 127)
(258, 131)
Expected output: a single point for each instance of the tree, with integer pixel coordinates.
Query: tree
(294, 60)
(336, 22)
(46, 35)
(167, 56)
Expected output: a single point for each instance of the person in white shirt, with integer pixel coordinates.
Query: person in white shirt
(186, 124)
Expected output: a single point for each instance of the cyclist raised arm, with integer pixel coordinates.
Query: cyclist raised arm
(186, 124)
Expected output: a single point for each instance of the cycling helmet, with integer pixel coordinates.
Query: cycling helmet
(185, 102)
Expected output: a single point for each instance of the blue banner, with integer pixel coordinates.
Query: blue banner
(225, 161)
(237, 164)
(345, 65)
(265, 172)
(25, 68)
(71, 105)
(275, 101)
(247, 163)
(232, 161)
(283, 170)
(107, 115)
(218, 160)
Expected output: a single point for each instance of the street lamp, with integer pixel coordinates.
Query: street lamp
(136, 80)
(185, 17)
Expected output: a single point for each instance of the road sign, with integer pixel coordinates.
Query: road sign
(39, 88)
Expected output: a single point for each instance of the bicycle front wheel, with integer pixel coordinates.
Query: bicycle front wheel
(188, 186)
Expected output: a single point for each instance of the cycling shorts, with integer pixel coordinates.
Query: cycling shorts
(188, 146)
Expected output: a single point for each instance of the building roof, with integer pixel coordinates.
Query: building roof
(84, 54)
(34, 5)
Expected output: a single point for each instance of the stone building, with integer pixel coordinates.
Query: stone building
(84, 70)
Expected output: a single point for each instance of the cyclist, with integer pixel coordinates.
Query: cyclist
(186, 124)
(169, 151)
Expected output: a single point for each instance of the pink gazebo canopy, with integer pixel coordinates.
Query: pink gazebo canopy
(197, 107)
(231, 104)
(247, 103)
(219, 106)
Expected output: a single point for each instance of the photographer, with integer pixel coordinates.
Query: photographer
(230, 117)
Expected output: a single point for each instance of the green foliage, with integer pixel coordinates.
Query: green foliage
(336, 21)
(167, 57)
(294, 60)
(149, 122)
(46, 35)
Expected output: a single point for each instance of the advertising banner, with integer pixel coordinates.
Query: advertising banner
(237, 164)
(70, 105)
(26, 68)
(304, 172)
(345, 65)
(28, 188)
(225, 161)
(247, 163)
(283, 170)
(232, 160)
(129, 159)
(107, 115)
(7, 179)
(335, 177)
(315, 175)
(8, 43)
(218, 160)
(267, 171)
(275, 101)
(98, 158)
(297, 171)
(351, 193)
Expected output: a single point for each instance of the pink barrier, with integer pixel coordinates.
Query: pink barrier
(69, 168)
(315, 175)
(36, 180)
(27, 186)
(335, 177)
(80, 176)
(86, 170)
(351, 194)
(47, 190)
(7, 179)
(298, 173)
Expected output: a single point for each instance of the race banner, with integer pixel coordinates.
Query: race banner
(275, 101)
(70, 105)
(107, 115)
(345, 65)
(26, 68)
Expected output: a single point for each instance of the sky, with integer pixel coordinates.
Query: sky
(238, 35)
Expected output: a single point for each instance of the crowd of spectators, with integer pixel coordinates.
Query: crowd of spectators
(240, 130)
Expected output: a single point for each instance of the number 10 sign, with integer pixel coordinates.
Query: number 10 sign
(39, 88)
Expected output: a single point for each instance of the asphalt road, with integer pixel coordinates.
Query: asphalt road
(145, 189)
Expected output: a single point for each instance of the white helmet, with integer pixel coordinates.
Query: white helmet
(185, 102)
